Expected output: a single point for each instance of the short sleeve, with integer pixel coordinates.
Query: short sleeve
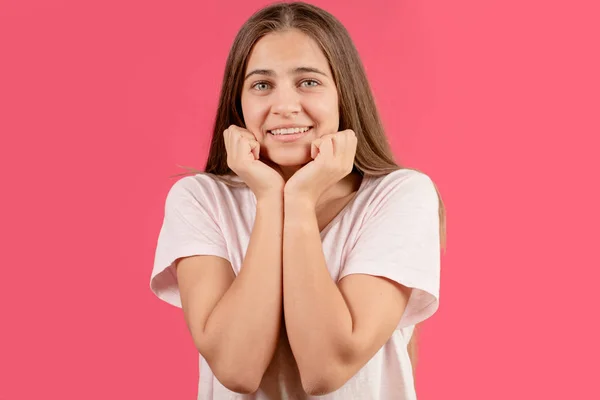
(189, 228)
(399, 239)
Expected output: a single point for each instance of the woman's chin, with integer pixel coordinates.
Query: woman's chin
(289, 158)
(291, 162)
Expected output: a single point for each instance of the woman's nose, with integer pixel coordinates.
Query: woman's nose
(286, 101)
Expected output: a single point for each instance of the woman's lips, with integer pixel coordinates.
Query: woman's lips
(291, 137)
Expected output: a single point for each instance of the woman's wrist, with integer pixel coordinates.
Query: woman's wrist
(273, 199)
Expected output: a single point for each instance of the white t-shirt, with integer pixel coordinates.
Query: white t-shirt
(390, 229)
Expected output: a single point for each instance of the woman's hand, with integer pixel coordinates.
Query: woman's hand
(333, 159)
(243, 153)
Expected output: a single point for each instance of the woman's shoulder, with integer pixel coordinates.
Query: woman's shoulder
(402, 179)
(207, 188)
(203, 181)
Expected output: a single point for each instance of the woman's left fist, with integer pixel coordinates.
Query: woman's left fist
(333, 159)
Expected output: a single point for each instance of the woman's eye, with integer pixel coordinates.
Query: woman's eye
(261, 85)
(314, 83)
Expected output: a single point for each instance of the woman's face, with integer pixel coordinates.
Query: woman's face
(288, 84)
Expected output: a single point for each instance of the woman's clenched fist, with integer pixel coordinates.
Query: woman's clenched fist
(243, 153)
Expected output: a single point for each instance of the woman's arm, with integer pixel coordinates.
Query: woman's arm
(235, 321)
(333, 331)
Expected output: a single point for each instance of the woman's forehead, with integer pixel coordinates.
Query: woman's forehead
(285, 53)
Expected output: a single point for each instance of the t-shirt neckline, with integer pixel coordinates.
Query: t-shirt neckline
(344, 210)
(339, 215)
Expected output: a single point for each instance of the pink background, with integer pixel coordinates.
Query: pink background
(498, 101)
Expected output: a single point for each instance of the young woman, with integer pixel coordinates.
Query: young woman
(303, 256)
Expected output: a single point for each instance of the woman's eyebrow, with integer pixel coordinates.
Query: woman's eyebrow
(295, 71)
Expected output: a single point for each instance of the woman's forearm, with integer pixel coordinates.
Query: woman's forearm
(318, 322)
(244, 326)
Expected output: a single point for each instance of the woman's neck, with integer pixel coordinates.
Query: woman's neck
(343, 188)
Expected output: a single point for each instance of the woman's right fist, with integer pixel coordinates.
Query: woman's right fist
(243, 153)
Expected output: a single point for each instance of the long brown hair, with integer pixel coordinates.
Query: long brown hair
(357, 107)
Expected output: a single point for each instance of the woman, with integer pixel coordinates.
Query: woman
(303, 256)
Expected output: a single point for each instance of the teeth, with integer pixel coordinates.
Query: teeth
(289, 131)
